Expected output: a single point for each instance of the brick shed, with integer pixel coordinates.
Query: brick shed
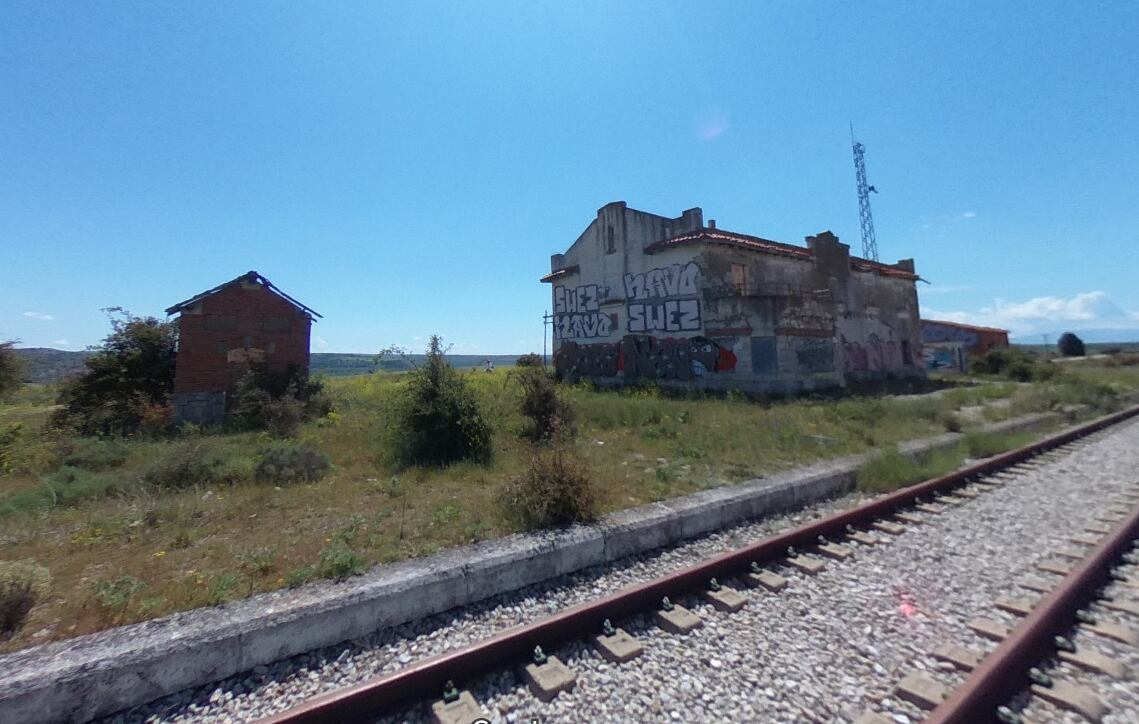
(224, 330)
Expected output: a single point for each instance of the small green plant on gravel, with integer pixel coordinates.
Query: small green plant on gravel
(221, 589)
(439, 420)
(115, 597)
(288, 462)
(299, 576)
(556, 489)
(22, 583)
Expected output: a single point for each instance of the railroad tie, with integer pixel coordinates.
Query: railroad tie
(456, 707)
(547, 676)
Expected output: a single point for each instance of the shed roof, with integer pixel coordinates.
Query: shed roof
(959, 325)
(249, 277)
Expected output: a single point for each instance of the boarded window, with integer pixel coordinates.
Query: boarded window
(275, 324)
(610, 244)
(220, 323)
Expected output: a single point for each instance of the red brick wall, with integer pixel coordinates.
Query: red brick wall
(202, 364)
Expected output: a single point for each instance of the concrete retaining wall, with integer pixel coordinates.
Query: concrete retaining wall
(106, 672)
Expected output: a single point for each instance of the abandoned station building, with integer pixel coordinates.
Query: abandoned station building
(224, 330)
(641, 296)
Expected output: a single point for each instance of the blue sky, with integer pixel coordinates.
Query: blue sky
(408, 168)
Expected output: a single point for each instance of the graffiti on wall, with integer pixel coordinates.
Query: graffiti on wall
(654, 358)
(572, 361)
(815, 356)
(933, 332)
(577, 313)
(663, 299)
(944, 356)
(872, 356)
(807, 318)
(644, 357)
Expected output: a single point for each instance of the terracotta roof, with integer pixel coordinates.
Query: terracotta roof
(730, 238)
(767, 246)
(250, 277)
(559, 273)
(959, 325)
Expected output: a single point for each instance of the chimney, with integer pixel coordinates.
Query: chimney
(711, 223)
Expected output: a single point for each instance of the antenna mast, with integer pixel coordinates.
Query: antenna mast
(869, 242)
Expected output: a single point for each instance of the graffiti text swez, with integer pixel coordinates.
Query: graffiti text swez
(664, 299)
(577, 313)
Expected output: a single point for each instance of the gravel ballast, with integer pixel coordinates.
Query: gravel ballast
(827, 648)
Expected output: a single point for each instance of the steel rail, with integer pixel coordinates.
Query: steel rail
(1004, 672)
(428, 677)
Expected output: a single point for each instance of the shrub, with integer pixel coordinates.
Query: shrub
(892, 470)
(439, 420)
(96, 455)
(550, 414)
(980, 445)
(11, 369)
(1070, 345)
(22, 583)
(9, 436)
(1013, 364)
(338, 561)
(114, 597)
(529, 360)
(133, 368)
(291, 463)
(68, 486)
(554, 490)
(186, 465)
(277, 401)
(259, 560)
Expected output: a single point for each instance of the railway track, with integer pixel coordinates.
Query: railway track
(819, 561)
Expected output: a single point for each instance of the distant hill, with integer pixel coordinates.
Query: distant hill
(42, 364)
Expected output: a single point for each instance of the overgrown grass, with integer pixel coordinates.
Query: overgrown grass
(196, 542)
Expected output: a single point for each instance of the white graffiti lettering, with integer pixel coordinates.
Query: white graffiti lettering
(673, 315)
(576, 300)
(582, 326)
(668, 281)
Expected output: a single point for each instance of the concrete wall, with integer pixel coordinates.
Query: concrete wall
(726, 315)
(200, 408)
(243, 323)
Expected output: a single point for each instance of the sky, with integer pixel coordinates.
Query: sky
(408, 168)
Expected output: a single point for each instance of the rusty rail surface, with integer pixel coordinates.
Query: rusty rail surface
(1004, 672)
(428, 677)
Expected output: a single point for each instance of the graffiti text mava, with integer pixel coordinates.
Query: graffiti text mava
(577, 313)
(872, 356)
(663, 300)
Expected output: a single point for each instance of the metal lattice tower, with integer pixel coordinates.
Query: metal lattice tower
(869, 242)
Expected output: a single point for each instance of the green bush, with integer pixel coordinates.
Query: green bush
(22, 583)
(11, 369)
(286, 462)
(68, 486)
(114, 597)
(529, 360)
(96, 454)
(278, 402)
(184, 466)
(338, 561)
(134, 368)
(1070, 345)
(550, 415)
(1013, 364)
(439, 420)
(555, 490)
(892, 470)
(9, 436)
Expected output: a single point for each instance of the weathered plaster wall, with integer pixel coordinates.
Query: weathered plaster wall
(711, 315)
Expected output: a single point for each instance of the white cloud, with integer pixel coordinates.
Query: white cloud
(321, 344)
(41, 316)
(969, 215)
(1089, 310)
(943, 289)
(61, 343)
